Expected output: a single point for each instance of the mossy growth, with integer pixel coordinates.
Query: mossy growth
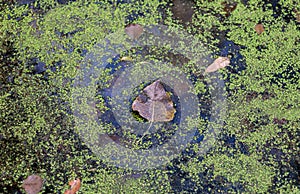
(44, 45)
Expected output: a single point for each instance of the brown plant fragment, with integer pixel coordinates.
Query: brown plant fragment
(134, 31)
(259, 28)
(219, 63)
(154, 104)
(126, 59)
(75, 186)
(33, 184)
(229, 7)
(280, 122)
(297, 15)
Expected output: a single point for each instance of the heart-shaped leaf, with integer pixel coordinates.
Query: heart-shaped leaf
(154, 104)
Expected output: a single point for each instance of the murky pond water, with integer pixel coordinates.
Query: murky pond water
(71, 70)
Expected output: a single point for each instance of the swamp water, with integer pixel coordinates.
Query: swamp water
(120, 91)
(70, 73)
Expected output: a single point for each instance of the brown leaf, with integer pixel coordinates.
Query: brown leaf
(33, 184)
(134, 31)
(259, 28)
(154, 104)
(220, 62)
(229, 7)
(75, 186)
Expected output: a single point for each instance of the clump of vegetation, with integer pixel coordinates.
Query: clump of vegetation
(44, 45)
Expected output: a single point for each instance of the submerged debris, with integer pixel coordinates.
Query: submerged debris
(33, 184)
(134, 31)
(126, 59)
(229, 7)
(297, 15)
(219, 63)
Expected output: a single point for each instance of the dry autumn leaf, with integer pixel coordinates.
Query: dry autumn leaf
(75, 186)
(33, 184)
(134, 31)
(154, 104)
(259, 28)
(219, 63)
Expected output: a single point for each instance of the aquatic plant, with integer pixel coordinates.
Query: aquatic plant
(235, 130)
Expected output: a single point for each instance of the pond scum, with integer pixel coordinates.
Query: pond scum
(44, 42)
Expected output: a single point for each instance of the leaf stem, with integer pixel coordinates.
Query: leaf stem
(151, 122)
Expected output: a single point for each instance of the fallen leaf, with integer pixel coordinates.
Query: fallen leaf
(134, 31)
(75, 186)
(219, 63)
(229, 7)
(154, 104)
(33, 184)
(68, 192)
(259, 28)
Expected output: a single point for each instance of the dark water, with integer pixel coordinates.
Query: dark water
(238, 64)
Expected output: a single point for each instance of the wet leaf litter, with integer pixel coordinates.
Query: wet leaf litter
(33, 184)
(134, 31)
(259, 28)
(154, 103)
(75, 186)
